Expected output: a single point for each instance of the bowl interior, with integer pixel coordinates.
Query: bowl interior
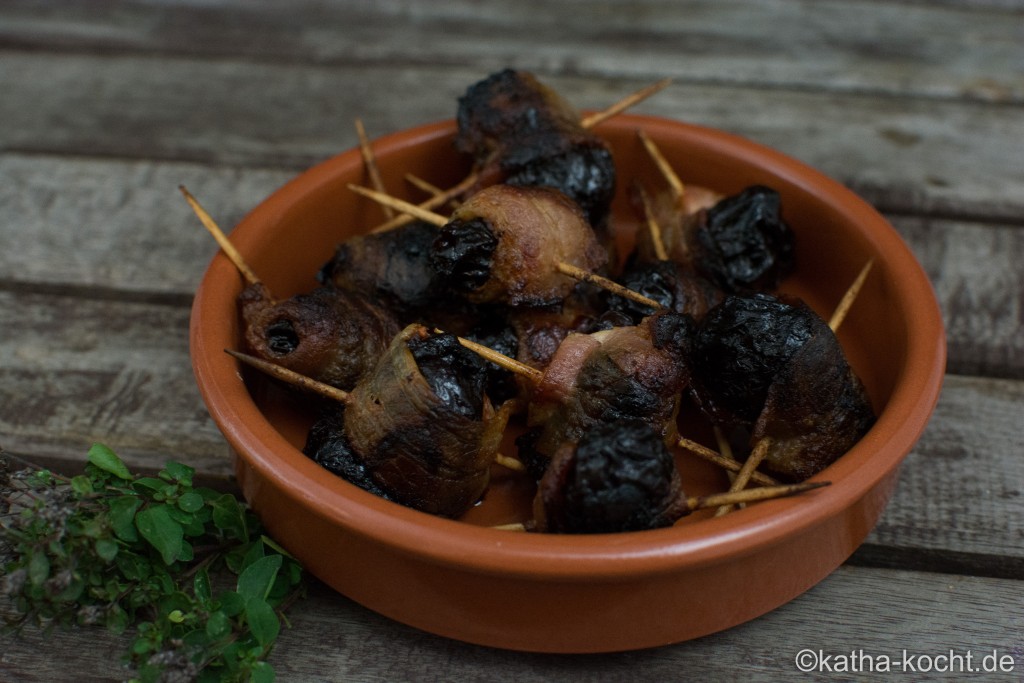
(893, 338)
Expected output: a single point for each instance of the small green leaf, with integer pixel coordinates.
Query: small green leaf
(197, 640)
(231, 603)
(144, 484)
(262, 620)
(105, 459)
(255, 552)
(274, 545)
(73, 591)
(229, 517)
(258, 578)
(201, 587)
(141, 646)
(162, 532)
(194, 528)
(122, 517)
(133, 567)
(92, 529)
(191, 502)
(117, 619)
(262, 672)
(180, 473)
(218, 625)
(38, 568)
(187, 553)
(106, 549)
(81, 485)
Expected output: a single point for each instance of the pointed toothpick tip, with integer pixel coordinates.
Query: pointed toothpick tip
(290, 376)
(753, 495)
(843, 308)
(406, 207)
(220, 237)
(667, 172)
(578, 273)
(625, 103)
(500, 359)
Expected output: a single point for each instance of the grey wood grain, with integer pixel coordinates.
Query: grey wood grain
(903, 154)
(977, 273)
(333, 639)
(955, 51)
(75, 371)
(964, 482)
(106, 224)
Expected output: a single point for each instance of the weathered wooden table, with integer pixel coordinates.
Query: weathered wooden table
(106, 107)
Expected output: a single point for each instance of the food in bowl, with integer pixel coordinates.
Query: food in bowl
(555, 592)
(422, 426)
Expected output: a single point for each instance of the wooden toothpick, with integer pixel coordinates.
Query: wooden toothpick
(625, 103)
(290, 376)
(222, 240)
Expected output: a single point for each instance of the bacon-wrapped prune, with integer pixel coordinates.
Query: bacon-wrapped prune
(329, 335)
(420, 424)
(504, 245)
(776, 369)
(619, 476)
(623, 373)
(520, 132)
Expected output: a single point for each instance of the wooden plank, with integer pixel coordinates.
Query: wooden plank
(108, 371)
(121, 228)
(955, 485)
(334, 639)
(957, 51)
(977, 271)
(117, 225)
(906, 155)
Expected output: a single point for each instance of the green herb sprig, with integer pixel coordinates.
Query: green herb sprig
(189, 568)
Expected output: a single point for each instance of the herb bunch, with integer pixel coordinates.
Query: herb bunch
(189, 568)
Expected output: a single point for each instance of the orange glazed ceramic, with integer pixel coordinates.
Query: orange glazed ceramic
(559, 593)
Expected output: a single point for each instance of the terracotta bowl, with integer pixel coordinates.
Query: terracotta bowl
(575, 594)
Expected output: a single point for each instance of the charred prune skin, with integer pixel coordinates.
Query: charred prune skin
(523, 133)
(461, 254)
(669, 283)
(656, 280)
(775, 369)
(327, 445)
(585, 173)
(674, 332)
(455, 374)
(494, 331)
(536, 463)
(392, 266)
(743, 244)
(619, 477)
(740, 347)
